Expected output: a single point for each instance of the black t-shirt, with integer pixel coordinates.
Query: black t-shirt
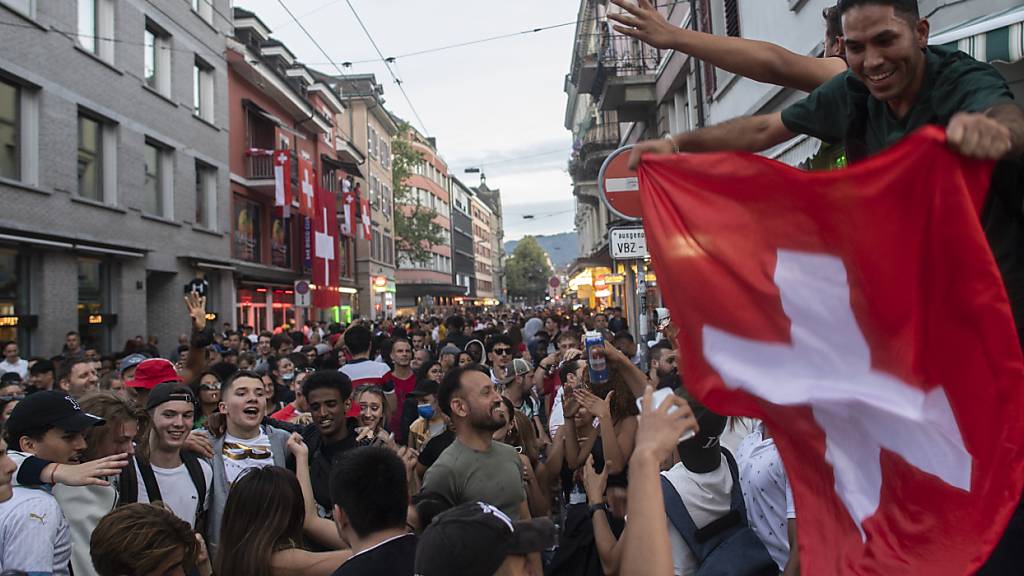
(395, 557)
(435, 446)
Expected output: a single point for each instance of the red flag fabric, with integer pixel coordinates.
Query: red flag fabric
(326, 271)
(282, 179)
(307, 188)
(861, 315)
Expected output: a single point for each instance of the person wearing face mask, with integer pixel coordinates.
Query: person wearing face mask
(431, 421)
(282, 375)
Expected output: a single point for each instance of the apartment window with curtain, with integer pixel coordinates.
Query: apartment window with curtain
(157, 190)
(206, 196)
(96, 27)
(90, 158)
(202, 90)
(10, 131)
(156, 46)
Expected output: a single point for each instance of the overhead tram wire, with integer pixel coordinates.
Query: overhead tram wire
(387, 65)
(313, 40)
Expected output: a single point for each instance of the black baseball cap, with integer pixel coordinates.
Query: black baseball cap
(473, 539)
(49, 408)
(169, 392)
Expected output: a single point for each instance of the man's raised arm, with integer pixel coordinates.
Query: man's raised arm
(746, 134)
(754, 59)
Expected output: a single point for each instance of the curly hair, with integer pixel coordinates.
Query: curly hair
(623, 402)
(116, 410)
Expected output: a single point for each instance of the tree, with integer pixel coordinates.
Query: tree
(415, 230)
(527, 271)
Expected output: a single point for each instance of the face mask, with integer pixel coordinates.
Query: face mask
(425, 410)
(288, 376)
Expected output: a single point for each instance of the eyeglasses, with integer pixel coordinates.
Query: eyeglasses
(209, 387)
(306, 370)
(502, 351)
(10, 398)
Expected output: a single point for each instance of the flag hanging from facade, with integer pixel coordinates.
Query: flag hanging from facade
(348, 201)
(282, 180)
(364, 213)
(861, 315)
(307, 188)
(326, 271)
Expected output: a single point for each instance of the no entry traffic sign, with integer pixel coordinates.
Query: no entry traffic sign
(619, 186)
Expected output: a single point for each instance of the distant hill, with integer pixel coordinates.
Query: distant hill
(561, 248)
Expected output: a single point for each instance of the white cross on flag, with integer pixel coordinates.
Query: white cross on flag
(861, 315)
(348, 202)
(307, 181)
(282, 179)
(326, 269)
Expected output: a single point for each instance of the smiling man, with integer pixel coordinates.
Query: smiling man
(245, 444)
(329, 395)
(50, 425)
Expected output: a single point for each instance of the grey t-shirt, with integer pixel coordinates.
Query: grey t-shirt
(34, 534)
(464, 475)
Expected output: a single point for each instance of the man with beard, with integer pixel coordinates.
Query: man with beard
(475, 467)
(663, 361)
(78, 377)
(329, 395)
(49, 425)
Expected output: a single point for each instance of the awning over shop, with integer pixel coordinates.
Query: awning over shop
(988, 38)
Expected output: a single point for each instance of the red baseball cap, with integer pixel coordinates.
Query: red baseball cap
(152, 372)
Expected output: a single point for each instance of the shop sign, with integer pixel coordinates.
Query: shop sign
(627, 243)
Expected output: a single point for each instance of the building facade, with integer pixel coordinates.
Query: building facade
(370, 128)
(483, 254)
(113, 169)
(463, 251)
(492, 198)
(424, 287)
(277, 107)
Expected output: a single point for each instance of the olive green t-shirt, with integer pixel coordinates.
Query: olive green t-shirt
(843, 111)
(463, 475)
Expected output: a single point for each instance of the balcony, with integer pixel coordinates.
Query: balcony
(627, 77)
(592, 148)
(259, 167)
(586, 62)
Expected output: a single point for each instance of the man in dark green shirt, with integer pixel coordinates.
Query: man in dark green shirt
(896, 84)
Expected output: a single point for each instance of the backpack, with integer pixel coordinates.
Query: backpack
(128, 489)
(726, 546)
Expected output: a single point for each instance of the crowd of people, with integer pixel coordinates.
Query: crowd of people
(502, 442)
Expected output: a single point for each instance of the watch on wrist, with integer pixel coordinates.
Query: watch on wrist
(599, 506)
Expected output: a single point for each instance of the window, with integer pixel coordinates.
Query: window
(157, 59)
(90, 158)
(732, 18)
(10, 131)
(202, 90)
(280, 241)
(157, 191)
(26, 7)
(204, 9)
(96, 27)
(246, 234)
(206, 196)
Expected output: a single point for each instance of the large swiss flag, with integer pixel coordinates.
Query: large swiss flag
(326, 267)
(861, 315)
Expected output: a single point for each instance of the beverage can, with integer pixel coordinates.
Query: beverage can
(596, 361)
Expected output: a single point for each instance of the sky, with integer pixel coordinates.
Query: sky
(497, 105)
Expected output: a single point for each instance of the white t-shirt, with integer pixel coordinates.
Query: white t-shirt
(34, 535)
(766, 493)
(707, 497)
(240, 455)
(177, 490)
(21, 367)
(557, 414)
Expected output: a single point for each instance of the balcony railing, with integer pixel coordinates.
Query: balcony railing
(601, 135)
(259, 164)
(624, 56)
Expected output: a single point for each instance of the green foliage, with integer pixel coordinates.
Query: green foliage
(527, 271)
(415, 229)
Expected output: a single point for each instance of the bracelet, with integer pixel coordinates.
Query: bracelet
(603, 506)
(675, 147)
(53, 474)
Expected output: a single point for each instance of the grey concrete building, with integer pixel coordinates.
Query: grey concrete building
(463, 259)
(113, 169)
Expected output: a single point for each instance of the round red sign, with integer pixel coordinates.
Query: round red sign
(619, 186)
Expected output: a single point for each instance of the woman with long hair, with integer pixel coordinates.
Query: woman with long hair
(431, 370)
(262, 530)
(207, 391)
(373, 413)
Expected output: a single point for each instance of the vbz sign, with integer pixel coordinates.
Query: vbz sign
(627, 243)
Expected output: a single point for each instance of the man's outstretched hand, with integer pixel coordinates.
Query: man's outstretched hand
(977, 135)
(657, 146)
(643, 22)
